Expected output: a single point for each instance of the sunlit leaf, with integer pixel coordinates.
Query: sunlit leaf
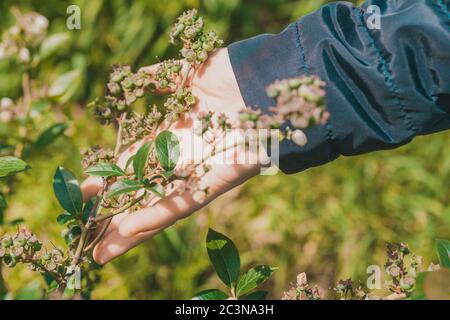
(224, 256)
(124, 186)
(212, 294)
(253, 278)
(11, 165)
(167, 149)
(105, 170)
(53, 44)
(140, 159)
(443, 249)
(50, 135)
(67, 191)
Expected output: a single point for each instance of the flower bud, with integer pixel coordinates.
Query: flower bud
(407, 283)
(202, 56)
(299, 138)
(208, 46)
(6, 103)
(46, 257)
(6, 241)
(178, 30)
(16, 251)
(50, 266)
(117, 78)
(199, 196)
(139, 93)
(115, 89)
(163, 84)
(24, 55)
(393, 271)
(273, 92)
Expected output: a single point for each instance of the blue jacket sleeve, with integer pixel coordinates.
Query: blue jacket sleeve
(384, 86)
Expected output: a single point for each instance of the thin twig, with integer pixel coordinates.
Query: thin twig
(120, 210)
(99, 236)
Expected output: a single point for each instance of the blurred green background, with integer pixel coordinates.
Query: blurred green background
(331, 222)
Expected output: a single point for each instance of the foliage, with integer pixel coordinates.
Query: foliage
(408, 279)
(155, 171)
(225, 259)
(331, 221)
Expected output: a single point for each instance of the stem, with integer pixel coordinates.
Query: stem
(185, 79)
(119, 136)
(81, 243)
(98, 237)
(120, 210)
(85, 230)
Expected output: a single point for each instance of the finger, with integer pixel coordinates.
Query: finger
(90, 187)
(174, 207)
(162, 214)
(114, 245)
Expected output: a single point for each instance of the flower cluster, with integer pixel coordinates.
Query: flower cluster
(124, 88)
(136, 127)
(347, 290)
(29, 32)
(24, 247)
(302, 290)
(299, 101)
(178, 103)
(402, 266)
(197, 44)
(167, 74)
(188, 179)
(94, 155)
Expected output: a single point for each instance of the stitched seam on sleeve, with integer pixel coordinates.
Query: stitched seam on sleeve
(301, 48)
(387, 73)
(329, 132)
(443, 8)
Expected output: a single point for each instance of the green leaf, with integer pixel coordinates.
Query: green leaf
(167, 150)
(212, 294)
(140, 160)
(105, 170)
(124, 186)
(53, 44)
(50, 135)
(62, 219)
(257, 295)
(16, 222)
(129, 161)
(156, 189)
(10, 165)
(65, 86)
(67, 191)
(224, 256)
(88, 207)
(72, 234)
(253, 278)
(443, 249)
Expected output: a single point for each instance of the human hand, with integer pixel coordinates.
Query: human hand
(215, 87)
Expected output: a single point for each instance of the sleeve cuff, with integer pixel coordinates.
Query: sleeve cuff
(257, 62)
